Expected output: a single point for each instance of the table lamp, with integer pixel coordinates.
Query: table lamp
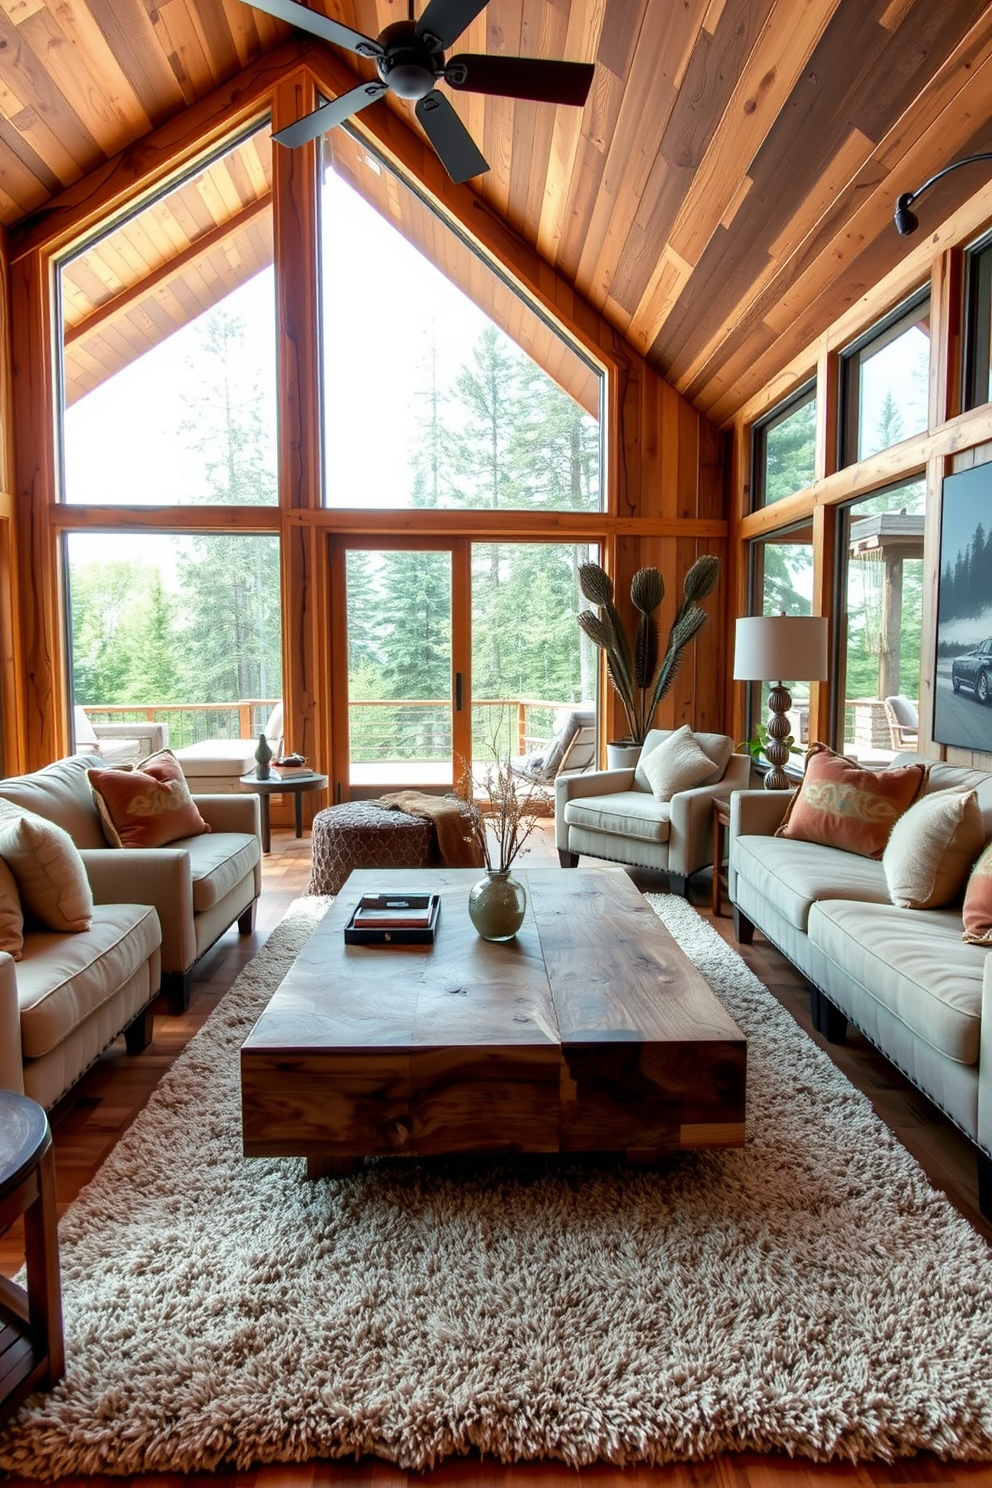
(771, 648)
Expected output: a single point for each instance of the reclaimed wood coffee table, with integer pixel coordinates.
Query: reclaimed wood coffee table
(591, 1031)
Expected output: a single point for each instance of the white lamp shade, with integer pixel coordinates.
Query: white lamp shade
(781, 648)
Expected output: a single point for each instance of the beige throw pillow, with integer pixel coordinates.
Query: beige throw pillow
(931, 849)
(11, 915)
(49, 873)
(677, 764)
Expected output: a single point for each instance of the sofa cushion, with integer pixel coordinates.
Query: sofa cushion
(62, 979)
(932, 847)
(630, 813)
(977, 911)
(719, 748)
(914, 965)
(11, 914)
(49, 873)
(61, 793)
(217, 863)
(792, 875)
(840, 804)
(149, 806)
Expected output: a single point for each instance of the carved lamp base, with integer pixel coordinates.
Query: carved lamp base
(779, 729)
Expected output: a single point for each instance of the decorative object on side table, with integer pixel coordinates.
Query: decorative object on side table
(497, 903)
(771, 648)
(633, 667)
(263, 758)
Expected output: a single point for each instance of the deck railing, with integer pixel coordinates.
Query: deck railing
(381, 728)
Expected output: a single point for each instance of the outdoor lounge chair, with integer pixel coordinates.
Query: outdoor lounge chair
(571, 750)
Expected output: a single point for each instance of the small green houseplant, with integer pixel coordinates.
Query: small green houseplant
(641, 680)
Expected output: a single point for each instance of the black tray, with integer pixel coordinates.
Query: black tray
(394, 934)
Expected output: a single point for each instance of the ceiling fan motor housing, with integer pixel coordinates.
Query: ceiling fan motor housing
(411, 64)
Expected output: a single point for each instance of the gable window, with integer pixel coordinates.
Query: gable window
(784, 449)
(168, 346)
(885, 378)
(443, 387)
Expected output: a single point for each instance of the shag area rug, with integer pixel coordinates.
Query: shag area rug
(808, 1294)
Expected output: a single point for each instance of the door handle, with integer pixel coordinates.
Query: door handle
(459, 688)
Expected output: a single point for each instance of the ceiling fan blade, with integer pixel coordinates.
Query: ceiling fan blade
(521, 77)
(447, 19)
(319, 25)
(330, 114)
(455, 147)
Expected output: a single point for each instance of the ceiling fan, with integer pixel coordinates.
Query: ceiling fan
(409, 58)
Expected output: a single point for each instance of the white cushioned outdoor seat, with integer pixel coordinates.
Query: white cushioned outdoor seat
(628, 813)
(931, 982)
(793, 875)
(63, 979)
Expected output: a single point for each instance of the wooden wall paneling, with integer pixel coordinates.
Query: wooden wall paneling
(306, 621)
(11, 682)
(825, 559)
(827, 411)
(44, 700)
(582, 42)
(937, 468)
(542, 34)
(946, 338)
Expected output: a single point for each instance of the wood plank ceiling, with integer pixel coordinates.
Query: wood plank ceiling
(725, 194)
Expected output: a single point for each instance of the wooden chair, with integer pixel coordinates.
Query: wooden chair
(903, 720)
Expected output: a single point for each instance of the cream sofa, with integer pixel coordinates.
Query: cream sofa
(614, 814)
(199, 886)
(70, 996)
(905, 977)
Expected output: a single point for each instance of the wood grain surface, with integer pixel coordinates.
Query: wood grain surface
(590, 1031)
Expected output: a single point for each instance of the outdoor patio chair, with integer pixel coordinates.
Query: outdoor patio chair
(571, 750)
(118, 743)
(903, 720)
(215, 766)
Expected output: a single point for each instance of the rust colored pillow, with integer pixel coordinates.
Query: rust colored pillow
(843, 805)
(977, 912)
(147, 807)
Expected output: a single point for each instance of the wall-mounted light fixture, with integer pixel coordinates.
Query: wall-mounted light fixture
(907, 221)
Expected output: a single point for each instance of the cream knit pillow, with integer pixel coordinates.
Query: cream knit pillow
(49, 873)
(931, 849)
(676, 764)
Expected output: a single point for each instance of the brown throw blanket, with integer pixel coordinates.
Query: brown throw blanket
(456, 844)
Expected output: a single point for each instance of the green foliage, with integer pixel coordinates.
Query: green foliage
(790, 449)
(755, 746)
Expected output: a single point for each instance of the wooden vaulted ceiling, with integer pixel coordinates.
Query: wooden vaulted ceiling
(726, 193)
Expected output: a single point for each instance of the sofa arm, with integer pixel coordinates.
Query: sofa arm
(161, 876)
(231, 813)
(985, 1062)
(757, 813)
(690, 830)
(11, 1063)
(591, 783)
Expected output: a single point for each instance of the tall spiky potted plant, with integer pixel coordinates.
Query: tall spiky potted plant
(633, 666)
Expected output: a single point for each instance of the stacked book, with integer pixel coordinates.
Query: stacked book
(393, 919)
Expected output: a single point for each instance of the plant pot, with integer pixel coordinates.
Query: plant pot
(496, 905)
(622, 755)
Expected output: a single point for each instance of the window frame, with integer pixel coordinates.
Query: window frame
(976, 350)
(805, 393)
(899, 320)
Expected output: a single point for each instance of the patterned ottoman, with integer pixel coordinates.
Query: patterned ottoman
(363, 834)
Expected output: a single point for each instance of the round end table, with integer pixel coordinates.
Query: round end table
(296, 785)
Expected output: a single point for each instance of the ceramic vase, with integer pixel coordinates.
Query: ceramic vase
(263, 755)
(496, 905)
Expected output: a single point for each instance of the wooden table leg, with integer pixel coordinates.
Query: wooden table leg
(41, 1247)
(298, 812)
(266, 822)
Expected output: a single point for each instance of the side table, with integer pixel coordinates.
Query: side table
(721, 826)
(296, 785)
(32, 1353)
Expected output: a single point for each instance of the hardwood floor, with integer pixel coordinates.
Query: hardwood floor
(87, 1123)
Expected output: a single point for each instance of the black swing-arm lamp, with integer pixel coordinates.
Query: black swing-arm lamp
(907, 221)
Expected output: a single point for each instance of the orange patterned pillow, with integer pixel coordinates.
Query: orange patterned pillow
(147, 807)
(843, 805)
(977, 912)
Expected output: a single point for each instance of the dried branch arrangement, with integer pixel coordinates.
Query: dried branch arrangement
(502, 823)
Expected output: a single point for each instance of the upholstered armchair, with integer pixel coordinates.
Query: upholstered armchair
(617, 815)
